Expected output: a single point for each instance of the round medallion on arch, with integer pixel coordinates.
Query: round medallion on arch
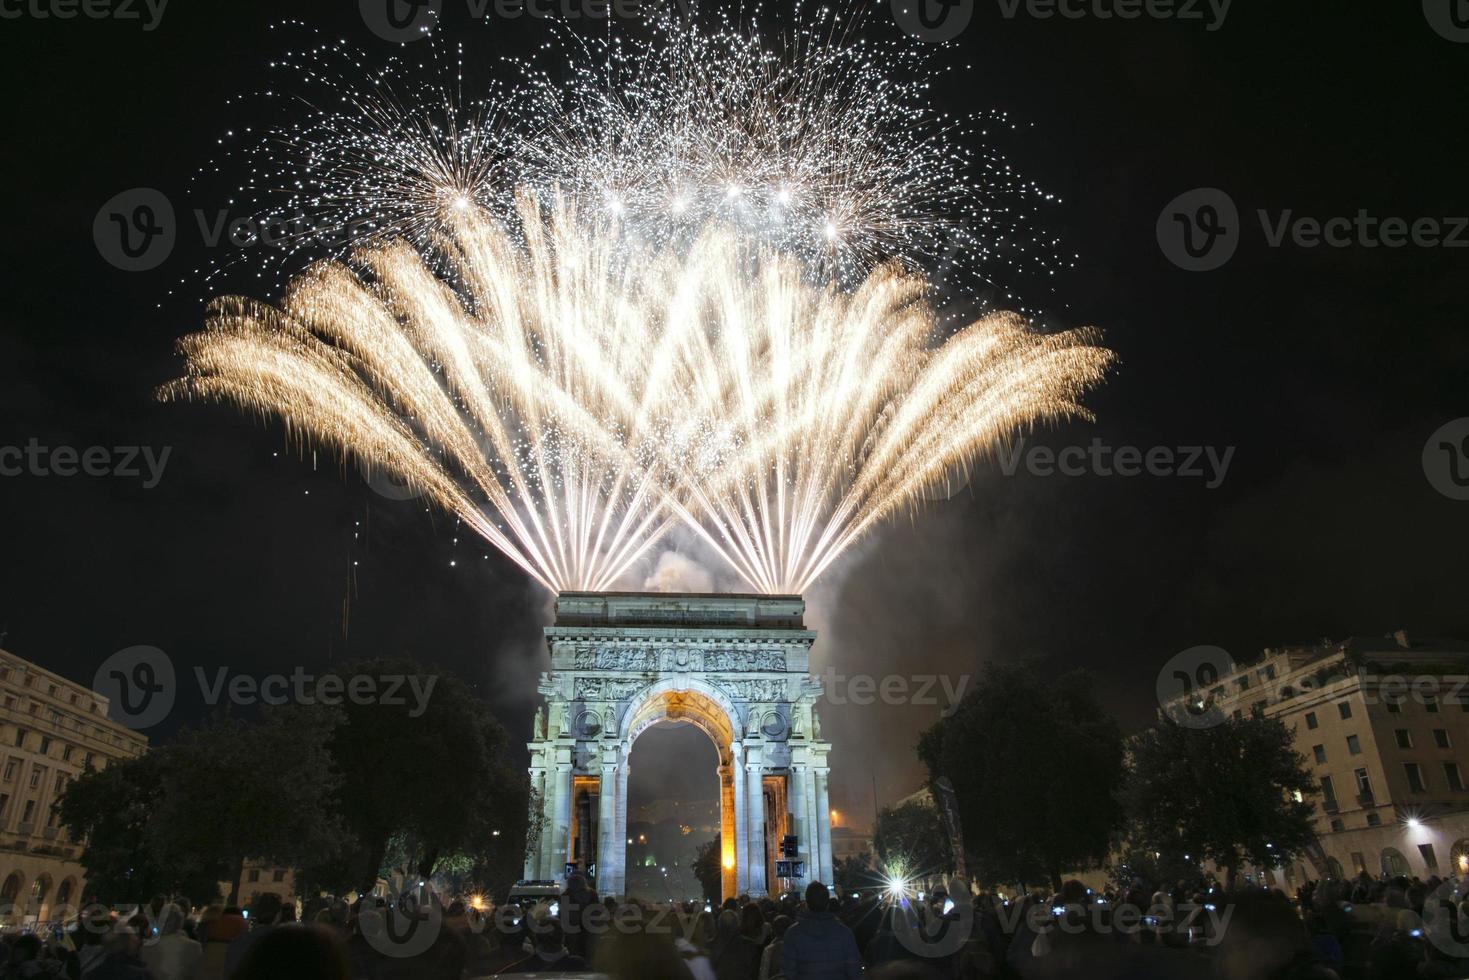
(773, 725)
(588, 724)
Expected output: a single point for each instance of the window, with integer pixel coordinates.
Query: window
(1364, 783)
(1430, 704)
(1464, 705)
(20, 738)
(1441, 738)
(1430, 860)
(45, 744)
(1373, 820)
(1337, 826)
(1320, 752)
(1415, 777)
(36, 775)
(28, 812)
(279, 875)
(1405, 738)
(66, 753)
(1345, 710)
(1394, 706)
(1354, 745)
(1359, 863)
(10, 768)
(1269, 672)
(254, 874)
(61, 779)
(1453, 776)
(1311, 720)
(1328, 791)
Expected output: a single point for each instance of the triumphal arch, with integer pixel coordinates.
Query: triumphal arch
(737, 667)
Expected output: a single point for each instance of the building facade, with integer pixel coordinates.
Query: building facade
(51, 730)
(736, 667)
(1383, 723)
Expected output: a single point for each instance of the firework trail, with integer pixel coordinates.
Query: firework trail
(573, 398)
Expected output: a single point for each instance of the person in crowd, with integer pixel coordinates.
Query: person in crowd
(574, 902)
(1266, 940)
(818, 946)
(220, 928)
(770, 958)
(733, 956)
(171, 955)
(305, 953)
(639, 954)
(754, 926)
(28, 959)
(550, 955)
(266, 913)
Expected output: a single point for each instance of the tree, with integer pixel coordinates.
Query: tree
(854, 873)
(430, 769)
(1035, 764)
(232, 791)
(911, 840)
(1224, 793)
(708, 867)
(110, 810)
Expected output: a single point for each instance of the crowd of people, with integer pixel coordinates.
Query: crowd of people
(1363, 929)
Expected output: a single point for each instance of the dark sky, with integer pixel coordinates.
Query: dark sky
(1326, 369)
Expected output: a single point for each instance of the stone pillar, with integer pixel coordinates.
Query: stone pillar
(548, 817)
(796, 804)
(607, 839)
(823, 824)
(755, 814)
(561, 848)
(533, 857)
(619, 842)
(812, 842)
(729, 879)
(742, 819)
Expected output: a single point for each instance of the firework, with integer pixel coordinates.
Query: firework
(812, 136)
(571, 398)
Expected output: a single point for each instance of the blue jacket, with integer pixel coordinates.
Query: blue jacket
(819, 947)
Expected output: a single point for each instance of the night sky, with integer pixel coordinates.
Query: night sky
(1326, 368)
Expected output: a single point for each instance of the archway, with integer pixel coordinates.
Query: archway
(674, 808)
(40, 893)
(10, 897)
(706, 710)
(1393, 862)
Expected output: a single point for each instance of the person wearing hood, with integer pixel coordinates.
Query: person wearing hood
(819, 946)
(733, 955)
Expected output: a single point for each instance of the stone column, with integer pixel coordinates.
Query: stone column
(800, 824)
(823, 824)
(548, 817)
(742, 819)
(533, 858)
(729, 878)
(561, 849)
(619, 842)
(813, 830)
(755, 814)
(607, 839)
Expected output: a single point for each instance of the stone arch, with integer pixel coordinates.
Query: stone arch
(1393, 862)
(707, 708)
(40, 901)
(10, 897)
(66, 894)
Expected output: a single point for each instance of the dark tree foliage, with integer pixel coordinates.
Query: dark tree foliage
(911, 837)
(1222, 793)
(233, 791)
(434, 776)
(855, 873)
(1035, 763)
(708, 867)
(112, 810)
